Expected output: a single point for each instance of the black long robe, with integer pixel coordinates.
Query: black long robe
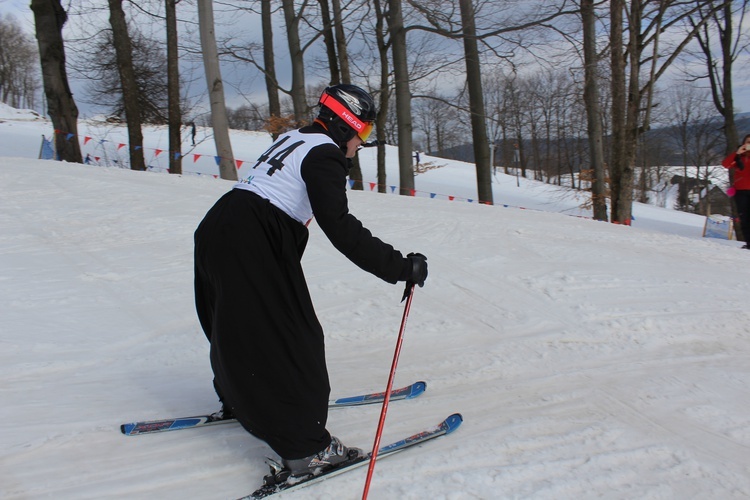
(267, 345)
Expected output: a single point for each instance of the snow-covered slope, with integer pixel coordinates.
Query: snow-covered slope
(589, 360)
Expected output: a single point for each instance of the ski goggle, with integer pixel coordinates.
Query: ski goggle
(363, 129)
(365, 134)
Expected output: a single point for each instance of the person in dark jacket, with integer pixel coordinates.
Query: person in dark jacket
(739, 165)
(267, 346)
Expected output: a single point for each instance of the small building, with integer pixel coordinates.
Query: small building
(701, 196)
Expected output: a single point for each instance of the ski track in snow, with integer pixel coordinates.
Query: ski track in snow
(589, 360)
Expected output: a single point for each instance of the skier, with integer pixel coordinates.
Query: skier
(740, 162)
(267, 346)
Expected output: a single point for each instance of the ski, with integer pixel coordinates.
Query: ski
(269, 488)
(173, 424)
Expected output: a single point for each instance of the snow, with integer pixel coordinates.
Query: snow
(588, 359)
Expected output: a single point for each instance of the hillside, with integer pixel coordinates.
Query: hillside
(589, 360)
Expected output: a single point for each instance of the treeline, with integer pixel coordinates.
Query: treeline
(19, 66)
(548, 87)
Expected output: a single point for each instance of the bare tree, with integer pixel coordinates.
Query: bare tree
(294, 17)
(49, 19)
(277, 120)
(438, 119)
(247, 117)
(129, 85)
(476, 104)
(330, 42)
(269, 65)
(296, 53)
(517, 104)
(631, 112)
(693, 128)
(403, 96)
(149, 69)
(219, 119)
(732, 40)
(342, 62)
(620, 170)
(383, 91)
(343, 51)
(173, 89)
(441, 22)
(720, 66)
(19, 61)
(593, 110)
(495, 92)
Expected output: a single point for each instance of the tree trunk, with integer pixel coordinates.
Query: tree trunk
(355, 174)
(124, 53)
(638, 103)
(403, 97)
(593, 111)
(626, 168)
(219, 118)
(382, 116)
(727, 111)
(476, 104)
(49, 18)
(272, 85)
(520, 151)
(173, 90)
(299, 98)
(719, 74)
(330, 42)
(507, 152)
(721, 79)
(618, 106)
(727, 94)
(338, 24)
(535, 150)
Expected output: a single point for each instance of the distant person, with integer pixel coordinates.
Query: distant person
(739, 165)
(267, 345)
(192, 131)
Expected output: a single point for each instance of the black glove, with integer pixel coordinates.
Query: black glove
(417, 273)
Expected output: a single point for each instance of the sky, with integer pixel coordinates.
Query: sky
(589, 360)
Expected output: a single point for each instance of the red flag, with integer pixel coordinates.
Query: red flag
(86, 139)
(451, 198)
(372, 186)
(158, 152)
(120, 146)
(195, 157)
(239, 163)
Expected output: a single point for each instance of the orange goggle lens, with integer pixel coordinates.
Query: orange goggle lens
(364, 134)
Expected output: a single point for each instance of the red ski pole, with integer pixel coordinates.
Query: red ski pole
(409, 293)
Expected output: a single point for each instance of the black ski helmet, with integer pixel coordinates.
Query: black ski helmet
(346, 110)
